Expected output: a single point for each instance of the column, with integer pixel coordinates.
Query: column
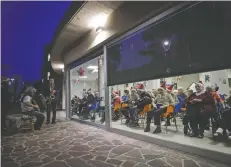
(101, 79)
(106, 88)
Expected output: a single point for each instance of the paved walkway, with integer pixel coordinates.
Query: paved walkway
(70, 144)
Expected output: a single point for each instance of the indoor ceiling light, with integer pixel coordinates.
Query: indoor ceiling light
(95, 70)
(61, 66)
(83, 77)
(92, 67)
(98, 21)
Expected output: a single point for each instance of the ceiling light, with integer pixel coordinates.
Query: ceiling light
(98, 21)
(99, 29)
(95, 70)
(61, 66)
(83, 77)
(92, 67)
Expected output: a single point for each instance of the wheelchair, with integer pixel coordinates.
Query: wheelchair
(93, 110)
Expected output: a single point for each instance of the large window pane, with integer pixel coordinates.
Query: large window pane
(87, 90)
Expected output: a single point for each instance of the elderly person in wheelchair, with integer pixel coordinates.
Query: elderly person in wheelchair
(164, 105)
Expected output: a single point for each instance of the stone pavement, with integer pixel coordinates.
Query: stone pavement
(71, 144)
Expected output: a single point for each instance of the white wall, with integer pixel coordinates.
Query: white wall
(217, 77)
(77, 88)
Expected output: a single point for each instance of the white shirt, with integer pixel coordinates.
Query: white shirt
(25, 107)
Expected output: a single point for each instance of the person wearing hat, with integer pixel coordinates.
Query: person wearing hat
(116, 102)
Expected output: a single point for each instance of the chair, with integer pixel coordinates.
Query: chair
(172, 115)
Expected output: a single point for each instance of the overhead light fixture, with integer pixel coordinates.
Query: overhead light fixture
(98, 21)
(99, 29)
(95, 70)
(92, 67)
(83, 77)
(61, 66)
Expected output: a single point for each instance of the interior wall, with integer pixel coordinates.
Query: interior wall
(77, 88)
(217, 77)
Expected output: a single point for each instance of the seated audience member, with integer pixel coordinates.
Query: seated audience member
(90, 101)
(200, 106)
(124, 105)
(181, 96)
(163, 100)
(132, 101)
(224, 125)
(29, 109)
(116, 103)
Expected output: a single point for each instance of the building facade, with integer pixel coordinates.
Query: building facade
(120, 45)
(47, 73)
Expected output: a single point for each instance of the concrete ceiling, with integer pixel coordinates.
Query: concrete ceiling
(77, 27)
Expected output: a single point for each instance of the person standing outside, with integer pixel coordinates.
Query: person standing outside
(51, 102)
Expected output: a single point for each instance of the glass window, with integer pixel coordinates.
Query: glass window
(178, 117)
(87, 91)
(193, 40)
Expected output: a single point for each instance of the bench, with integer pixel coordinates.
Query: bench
(21, 121)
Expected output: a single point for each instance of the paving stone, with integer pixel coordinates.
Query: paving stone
(8, 149)
(103, 148)
(32, 149)
(114, 162)
(10, 164)
(81, 148)
(63, 156)
(44, 150)
(52, 154)
(134, 153)
(99, 163)
(20, 153)
(29, 159)
(87, 157)
(122, 157)
(174, 162)
(159, 163)
(89, 138)
(34, 164)
(77, 153)
(47, 160)
(190, 163)
(129, 164)
(6, 159)
(150, 157)
(121, 149)
(56, 164)
(31, 143)
(141, 165)
(77, 162)
(101, 158)
(116, 142)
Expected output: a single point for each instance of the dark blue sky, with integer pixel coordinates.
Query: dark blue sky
(26, 28)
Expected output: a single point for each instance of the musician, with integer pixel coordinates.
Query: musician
(28, 108)
(51, 102)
